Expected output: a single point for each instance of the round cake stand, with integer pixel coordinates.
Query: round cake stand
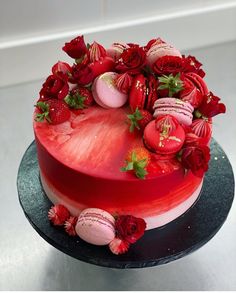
(158, 246)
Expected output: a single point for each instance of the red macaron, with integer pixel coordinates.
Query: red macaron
(143, 93)
(164, 136)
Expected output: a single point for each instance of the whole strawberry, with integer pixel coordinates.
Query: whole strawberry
(79, 98)
(137, 160)
(54, 111)
(139, 119)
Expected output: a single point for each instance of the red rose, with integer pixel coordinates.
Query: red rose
(196, 158)
(210, 106)
(130, 228)
(76, 48)
(168, 65)
(55, 86)
(132, 60)
(81, 74)
(191, 64)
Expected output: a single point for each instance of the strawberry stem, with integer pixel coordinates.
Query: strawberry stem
(75, 101)
(133, 119)
(138, 166)
(44, 108)
(172, 83)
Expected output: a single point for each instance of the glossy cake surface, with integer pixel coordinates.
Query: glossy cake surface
(80, 162)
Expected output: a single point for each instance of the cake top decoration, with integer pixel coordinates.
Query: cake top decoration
(155, 81)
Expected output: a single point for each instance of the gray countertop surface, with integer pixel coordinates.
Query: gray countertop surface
(27, 262)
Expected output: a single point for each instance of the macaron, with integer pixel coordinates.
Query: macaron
(96, 226)
(105, 92)
(143, 93)
(164, 136)
(159, 50)
(181, 110)
(116, 50)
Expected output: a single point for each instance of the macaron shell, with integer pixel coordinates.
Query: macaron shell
(151, 93)
(96, 226)
(160, 50)
(181, 110)
(137, 93)
(105, 92)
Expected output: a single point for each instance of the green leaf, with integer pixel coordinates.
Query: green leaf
(141, 173)
(173, 83)
(137, 165)
(133, 119)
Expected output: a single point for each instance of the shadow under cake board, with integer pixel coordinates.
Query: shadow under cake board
(158, 246)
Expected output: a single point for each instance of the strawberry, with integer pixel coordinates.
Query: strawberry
(79, 98)
(139, 119)
(137, 160)
(169, 85)
(53, 110)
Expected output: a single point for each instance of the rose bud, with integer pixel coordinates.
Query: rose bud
(76, 48)
(61, 67)
(123, 82)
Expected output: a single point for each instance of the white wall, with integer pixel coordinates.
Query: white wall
(32, 32)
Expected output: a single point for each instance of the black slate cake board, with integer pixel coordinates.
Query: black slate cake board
(158, 246)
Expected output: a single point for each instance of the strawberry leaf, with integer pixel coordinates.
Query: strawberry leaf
(133, 119)
(138, 166)
(172, 83)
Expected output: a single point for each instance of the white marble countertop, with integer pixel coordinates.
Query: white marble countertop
(27, 262)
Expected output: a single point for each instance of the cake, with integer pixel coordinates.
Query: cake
(122, 139)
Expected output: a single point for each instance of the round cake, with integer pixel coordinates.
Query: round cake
(124, 133)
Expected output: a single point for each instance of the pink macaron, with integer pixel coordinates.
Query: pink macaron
(181, 110)
(105, 92)
(96, 226)
(159, 50)
(116, 50)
